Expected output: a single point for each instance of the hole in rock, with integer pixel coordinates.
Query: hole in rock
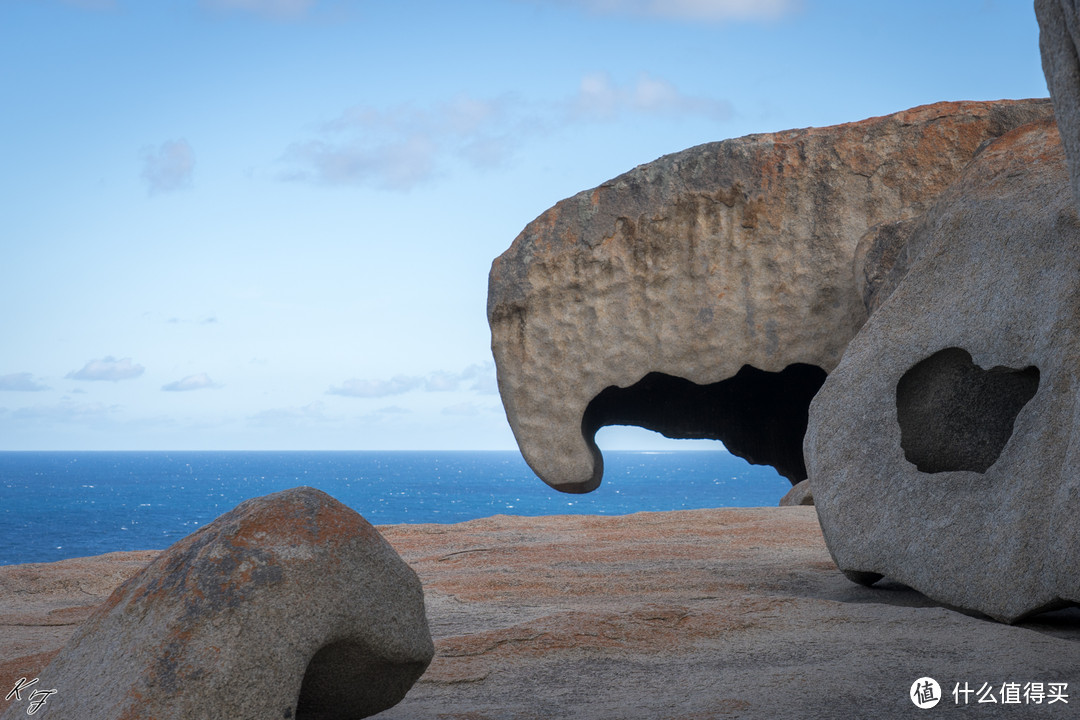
(759, 416)
(954, 415)
(343, 681)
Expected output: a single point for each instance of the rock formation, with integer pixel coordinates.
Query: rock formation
(690, 615)
(289, 606)
(1059, 38)
(708, 293)
(799, 494)
(942, 448)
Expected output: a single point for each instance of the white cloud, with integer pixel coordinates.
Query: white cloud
(277, 9)
(442, 381)
(377, 388)
(483, 378)
(191, 382)
(107, 368)
(21, 382)
(402, 147)
(599, 98)
(394, 165)
(65, 411)
(480, 376)
(691, 10)
(168, 167)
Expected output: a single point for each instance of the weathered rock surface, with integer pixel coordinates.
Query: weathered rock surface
(691, 615)
(291, 605)
(1059, 37)
(706, 294)
(799, 494)
(943, 447)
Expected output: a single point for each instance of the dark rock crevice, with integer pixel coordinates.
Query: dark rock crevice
(760, 416)
(331, 689)
(954, 415)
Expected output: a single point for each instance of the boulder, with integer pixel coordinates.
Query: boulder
(686, 615)
(1059, 37)
(882, 259)
(708, 293)
(289, 606)
(799, 494)
(943, 447)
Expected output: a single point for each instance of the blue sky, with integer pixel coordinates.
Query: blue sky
(267, 224)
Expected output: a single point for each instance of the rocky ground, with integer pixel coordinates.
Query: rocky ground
(734, 613)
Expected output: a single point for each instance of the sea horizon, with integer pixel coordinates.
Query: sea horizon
(59, 504)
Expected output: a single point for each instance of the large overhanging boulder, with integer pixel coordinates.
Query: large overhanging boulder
(942, 449)
(708, 293)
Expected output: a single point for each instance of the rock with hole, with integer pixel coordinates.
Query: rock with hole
(289, 606)
(943, 447)
(707, 294)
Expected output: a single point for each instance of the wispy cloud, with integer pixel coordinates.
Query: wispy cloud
(442, 382)
(290, 416)
(21, 382)
(107, 368)
(717, 11)
(396, 385)
(396, 164)
(66, 411)
(402, 147)
(168, 167)
(478, 378)
(201, 381)
(600, 98)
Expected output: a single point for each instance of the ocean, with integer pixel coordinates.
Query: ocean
(56, 505)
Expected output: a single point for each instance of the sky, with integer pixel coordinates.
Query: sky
(267, 224)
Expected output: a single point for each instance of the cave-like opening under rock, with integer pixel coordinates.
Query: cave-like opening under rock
(954, 415)
(760, 416)
(344, 681)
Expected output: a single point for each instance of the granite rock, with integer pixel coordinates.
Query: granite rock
(799, 494)
(707, 294)
(943, 447)
(1059, 38)
(689, 615)
(289, 606)
(882, 259)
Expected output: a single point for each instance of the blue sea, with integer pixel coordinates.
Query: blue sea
(56, 505)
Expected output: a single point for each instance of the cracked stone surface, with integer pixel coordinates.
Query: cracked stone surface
(942, 449)
(731, 257)
(736, 613)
